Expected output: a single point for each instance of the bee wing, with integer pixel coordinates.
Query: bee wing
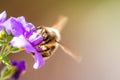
(61, 23)
(69, 52)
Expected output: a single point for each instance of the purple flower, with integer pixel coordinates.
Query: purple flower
(19, 68)
(2, 19)
(25, 37)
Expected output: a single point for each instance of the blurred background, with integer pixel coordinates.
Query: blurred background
(92, 31)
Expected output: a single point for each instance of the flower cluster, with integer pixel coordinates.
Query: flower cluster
(19, 35)
(24, 34)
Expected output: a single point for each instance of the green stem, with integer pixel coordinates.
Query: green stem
(3, 49)
(7, 50)
(4, 53)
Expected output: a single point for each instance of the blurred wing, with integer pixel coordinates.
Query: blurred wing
(61, 23)
(70, 53)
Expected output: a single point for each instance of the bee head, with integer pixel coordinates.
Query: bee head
(49, 34)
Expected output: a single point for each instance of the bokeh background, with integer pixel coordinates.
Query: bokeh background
(92, 31)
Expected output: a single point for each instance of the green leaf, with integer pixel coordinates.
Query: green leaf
(6, 61)
(9, 37)
(2, 42)
(7, 73)
(14, 49)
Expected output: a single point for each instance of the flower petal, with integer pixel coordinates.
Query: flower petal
(13, 26)
(22, 42)
(18, 42)
(16, 27)
(2, 19)
(1, 27)
(7, 26)
(3, 16)
(35, 38)
(20, 67)
(39, 62)
(27, 26)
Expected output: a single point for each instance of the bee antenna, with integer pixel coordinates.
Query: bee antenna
(61, 23)
(70, 53)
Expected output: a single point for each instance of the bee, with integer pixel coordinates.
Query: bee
(51, 39)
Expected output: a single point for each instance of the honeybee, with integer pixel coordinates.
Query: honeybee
(51, 39)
